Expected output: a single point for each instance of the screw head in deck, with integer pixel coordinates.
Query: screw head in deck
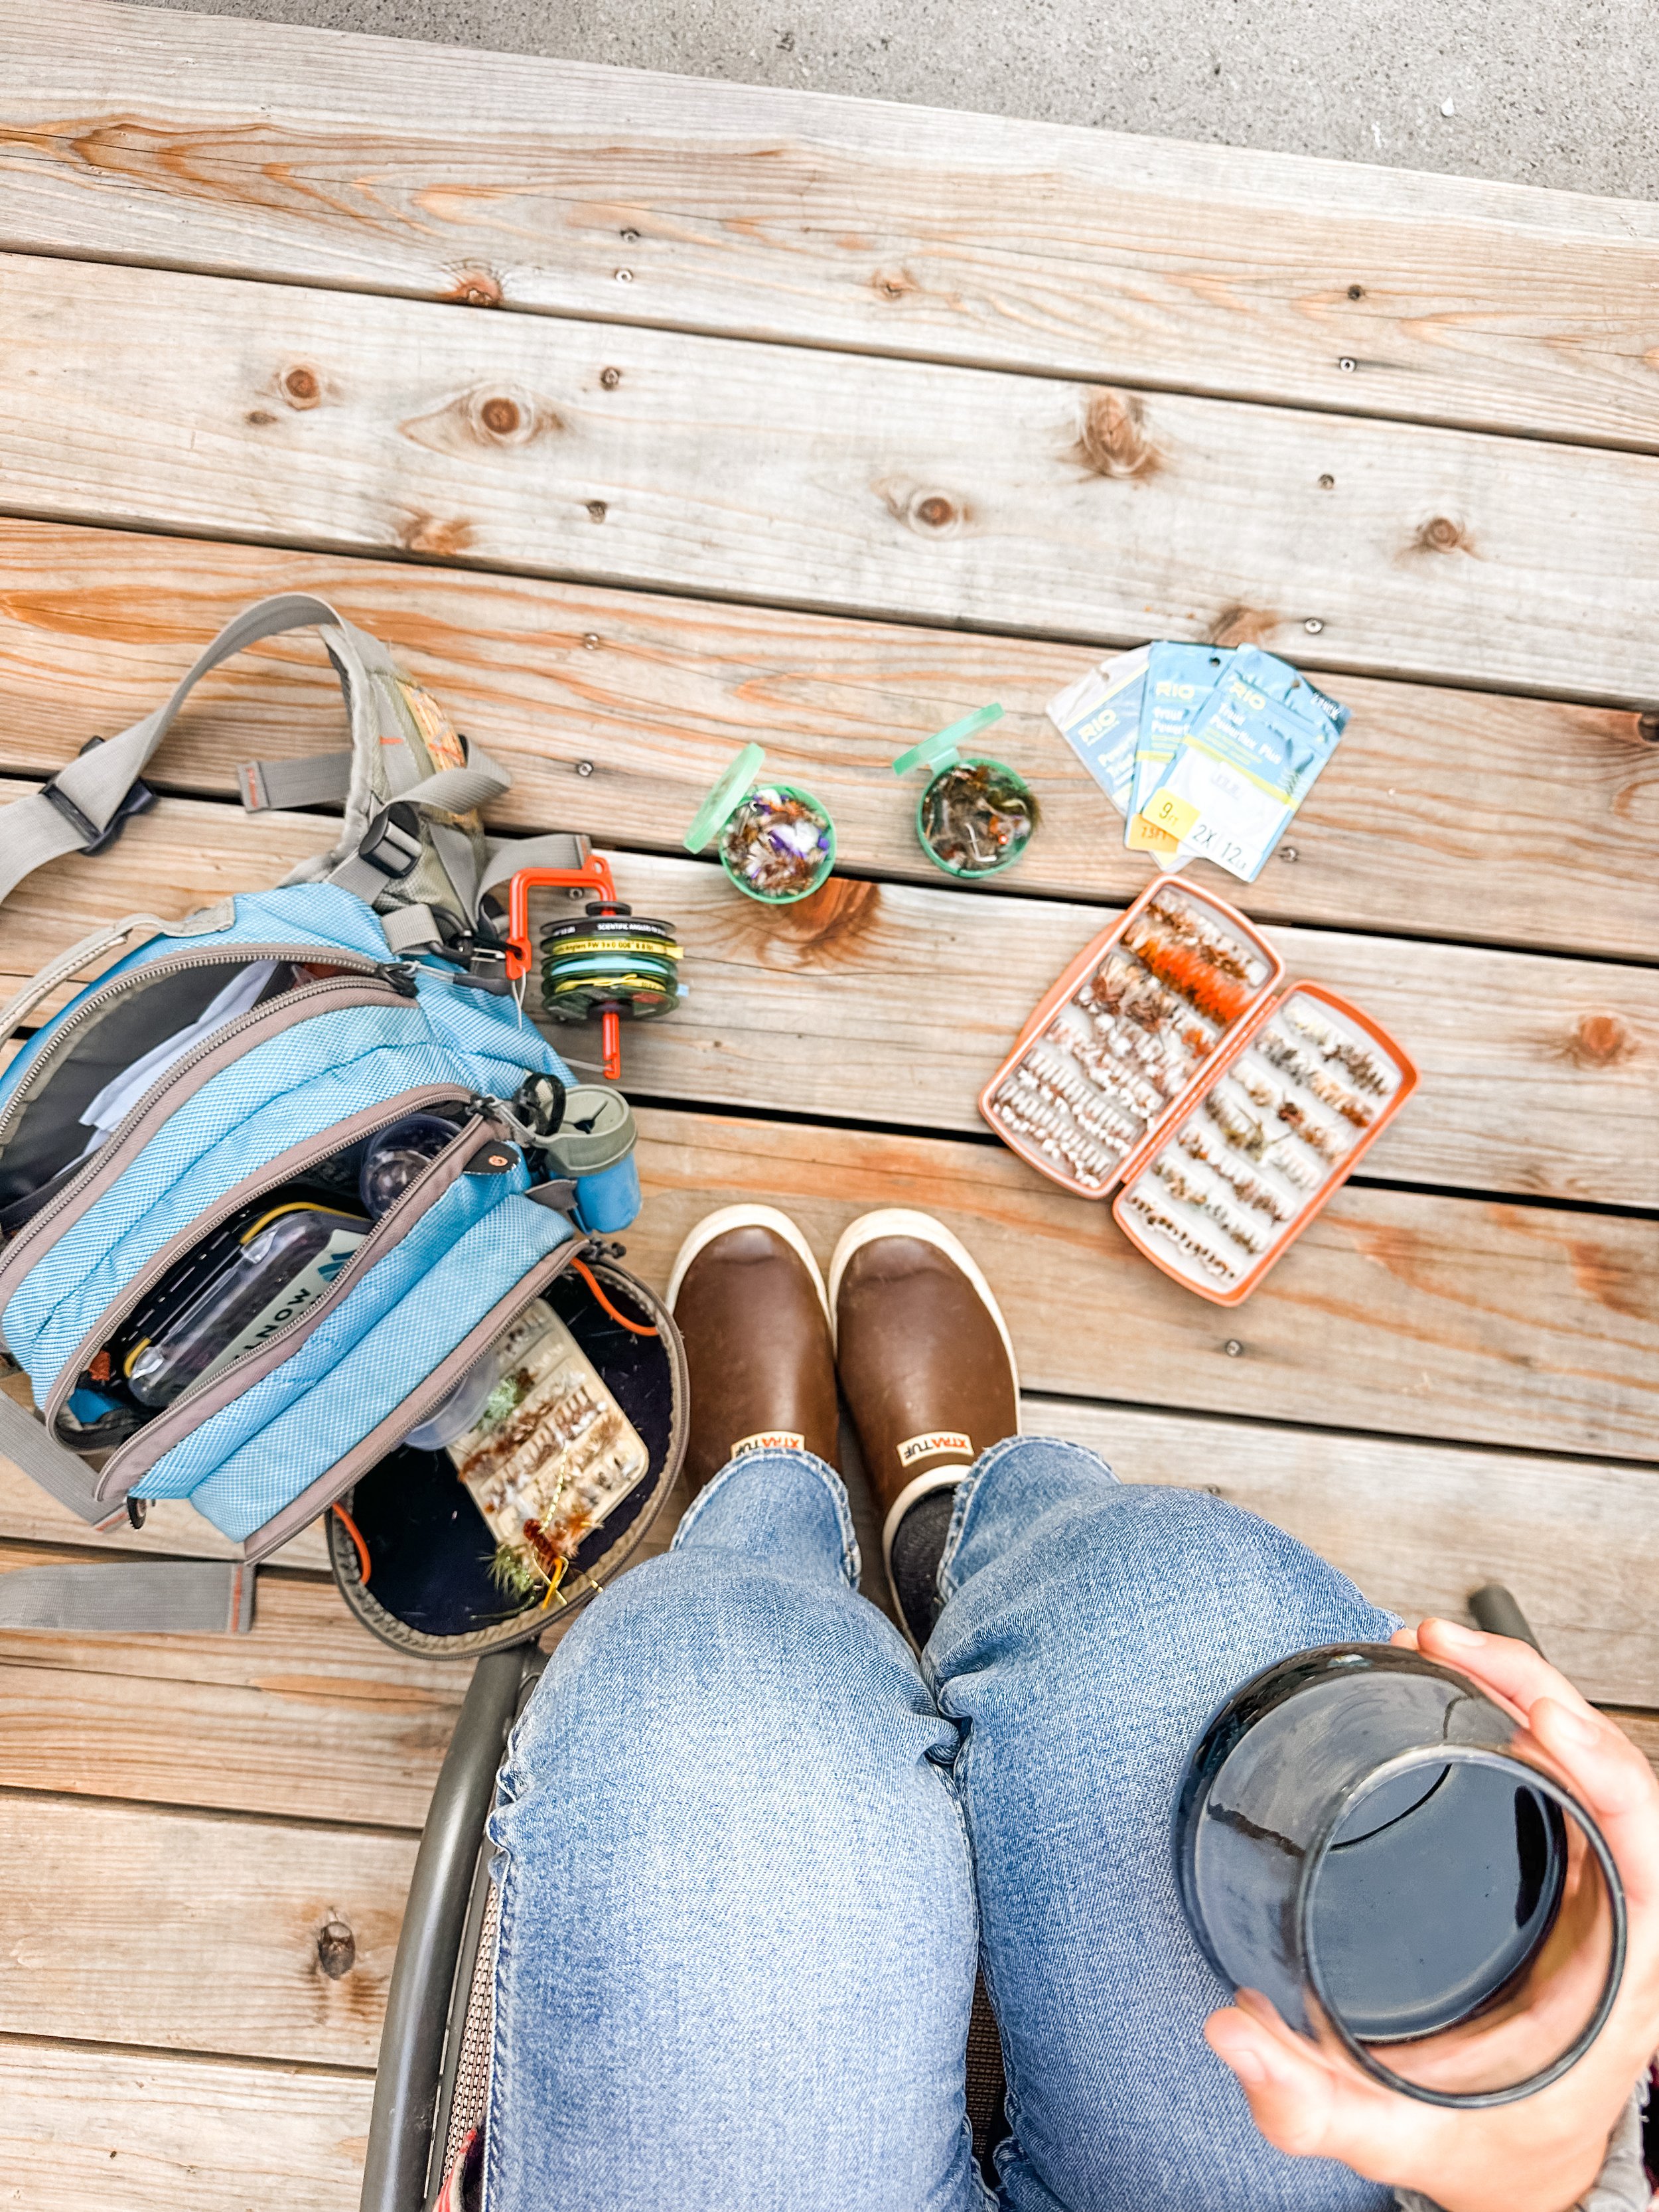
(1313, 625)
(1347, 362)
(1232, 1347)
(336, 1949)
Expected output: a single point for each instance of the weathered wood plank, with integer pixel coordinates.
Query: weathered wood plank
(304, 1645)
(97, 1735)
(975, 498)
(149, 2132)
(251, 148)
(1418, 1526)
(890, 1003)
(180, 1931)
(1536, 827)
(1410, 1314)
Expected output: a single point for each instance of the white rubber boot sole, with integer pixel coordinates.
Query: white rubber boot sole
(749, 1217)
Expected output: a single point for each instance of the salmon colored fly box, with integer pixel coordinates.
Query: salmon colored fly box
(1163, 1065)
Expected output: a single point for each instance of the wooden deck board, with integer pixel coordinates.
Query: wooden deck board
(895, 1003)
(255, 150)
(183, 1931)
(1451, 814)
(966, 497)
(1117, 367)
(142, 2130)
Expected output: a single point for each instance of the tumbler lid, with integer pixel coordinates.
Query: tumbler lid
(732, 787)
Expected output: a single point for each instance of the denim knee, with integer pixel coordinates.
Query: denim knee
(1142, 1571)
(706, 1664)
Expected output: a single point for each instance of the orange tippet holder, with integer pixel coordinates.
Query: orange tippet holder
(1162, 1067)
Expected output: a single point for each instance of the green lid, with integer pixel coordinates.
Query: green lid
(724, 801)
(940, 749)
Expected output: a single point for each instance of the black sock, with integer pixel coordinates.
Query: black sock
(918, 1548)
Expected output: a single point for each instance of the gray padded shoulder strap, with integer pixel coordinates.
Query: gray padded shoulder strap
(93, 787)
(132, 1597)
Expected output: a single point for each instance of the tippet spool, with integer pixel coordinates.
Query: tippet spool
(609, 961)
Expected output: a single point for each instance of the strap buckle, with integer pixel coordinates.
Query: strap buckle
(138, 801)
(391, 842)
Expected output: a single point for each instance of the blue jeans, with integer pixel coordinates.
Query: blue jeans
(750, 1857)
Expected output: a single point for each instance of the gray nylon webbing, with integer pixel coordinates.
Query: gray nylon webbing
(408, 928)
(315, 780)
(555, 848)
(32, 831)
(65, 1474)
(132, 1597)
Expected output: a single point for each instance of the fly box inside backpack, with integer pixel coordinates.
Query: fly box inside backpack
(537, 1480)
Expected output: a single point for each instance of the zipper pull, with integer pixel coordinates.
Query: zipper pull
(400, 974)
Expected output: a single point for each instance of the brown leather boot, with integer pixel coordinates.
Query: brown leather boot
(751, 1304)
(925, 1360)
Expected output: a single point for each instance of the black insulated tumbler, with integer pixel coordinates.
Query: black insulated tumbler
(1357, 1839)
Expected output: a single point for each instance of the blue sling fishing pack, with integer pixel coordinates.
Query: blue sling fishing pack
(229, 1077)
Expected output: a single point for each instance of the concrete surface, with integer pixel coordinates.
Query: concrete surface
(1542, 92)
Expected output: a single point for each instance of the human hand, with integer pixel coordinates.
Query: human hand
(1543, 2152)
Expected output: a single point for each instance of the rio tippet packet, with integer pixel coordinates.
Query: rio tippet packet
(1099, 717)
(1266, 673)
(1247, 763)
(1180, 679)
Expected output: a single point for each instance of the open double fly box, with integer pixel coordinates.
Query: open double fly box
(1166, 1066)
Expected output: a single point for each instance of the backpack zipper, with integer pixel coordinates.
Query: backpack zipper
(135, 1458)
(175, 963)
(287, 1167)
(317, 1496)
(133, 1131)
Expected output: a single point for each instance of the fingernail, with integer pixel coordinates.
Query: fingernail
(1246, 2065)
(1564, 1720)
(1460, 1639)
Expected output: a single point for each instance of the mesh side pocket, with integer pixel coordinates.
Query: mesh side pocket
(471, 2099)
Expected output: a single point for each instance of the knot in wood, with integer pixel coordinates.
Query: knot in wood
(1238, 625)
(936, 511)
(499, 416)
(1113, 441)
(1601, 1041)
(825, 930)
(1647, 727)
(302, 387)
(1442, 535)
(336, 1949)
(477, 287)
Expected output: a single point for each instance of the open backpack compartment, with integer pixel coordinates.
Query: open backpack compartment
(293, 1218)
